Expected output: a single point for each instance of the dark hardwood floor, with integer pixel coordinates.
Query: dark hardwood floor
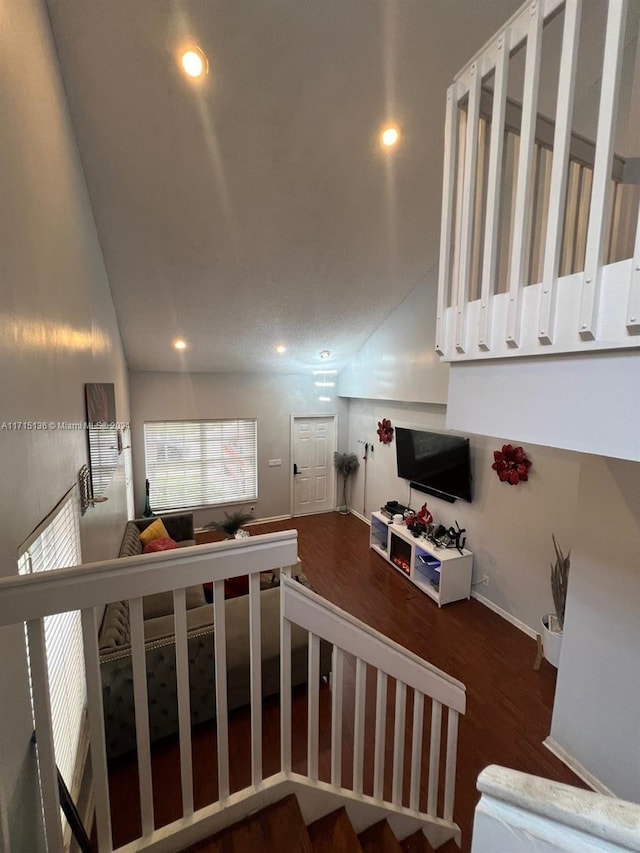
(508, 703)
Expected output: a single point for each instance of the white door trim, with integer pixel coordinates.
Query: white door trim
(324, 415)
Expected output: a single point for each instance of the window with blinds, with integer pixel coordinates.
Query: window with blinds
(55, 544)
(201, 463)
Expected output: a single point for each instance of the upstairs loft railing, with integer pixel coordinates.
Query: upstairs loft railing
(540, 240)
(372, 680)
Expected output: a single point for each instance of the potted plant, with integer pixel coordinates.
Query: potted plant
(345, 464)
(232, 524)
(553, 623)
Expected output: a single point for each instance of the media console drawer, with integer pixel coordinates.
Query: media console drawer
(444, 574)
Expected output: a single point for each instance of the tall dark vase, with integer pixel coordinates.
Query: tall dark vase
(344, 509)
(147, 506)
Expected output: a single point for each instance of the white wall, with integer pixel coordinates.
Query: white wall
(596, 716)
(587, 402)
(270, 399)
(57, 331)
(398, 362)
(508, 527)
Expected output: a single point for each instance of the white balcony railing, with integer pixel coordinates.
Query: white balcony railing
(540, 240)
(414, 798)
(529, 814)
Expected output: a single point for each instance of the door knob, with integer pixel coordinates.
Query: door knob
(295, 469)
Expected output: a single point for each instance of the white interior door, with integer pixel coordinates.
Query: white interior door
(313, 445)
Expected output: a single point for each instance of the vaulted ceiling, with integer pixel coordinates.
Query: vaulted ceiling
(257, 208)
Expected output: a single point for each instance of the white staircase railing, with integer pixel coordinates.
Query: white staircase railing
(526, 813)
(540, 240)
(412, 802)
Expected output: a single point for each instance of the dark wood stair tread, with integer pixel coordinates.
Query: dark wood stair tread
(277, 827)
(379, 838)
(333, 833)
(417, 843)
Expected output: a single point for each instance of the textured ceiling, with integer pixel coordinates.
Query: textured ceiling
(258, 209)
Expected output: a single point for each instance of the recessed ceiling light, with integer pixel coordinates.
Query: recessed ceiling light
(325, 353)
(324, 384)
(324, 372)
(389, 136)
(324, 399)
(194, 62)
(180, 344)
(281, 348)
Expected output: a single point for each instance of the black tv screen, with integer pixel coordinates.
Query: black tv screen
(436, 463)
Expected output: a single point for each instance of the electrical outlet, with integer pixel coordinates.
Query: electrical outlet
(484, 580)
(253, 509)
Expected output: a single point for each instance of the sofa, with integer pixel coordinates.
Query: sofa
(115, 650)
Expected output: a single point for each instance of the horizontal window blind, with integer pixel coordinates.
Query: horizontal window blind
(201, 463)
(56, 545)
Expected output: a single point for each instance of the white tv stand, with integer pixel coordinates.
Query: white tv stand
(444, 574)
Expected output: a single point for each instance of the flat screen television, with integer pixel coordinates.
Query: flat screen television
(435, 463)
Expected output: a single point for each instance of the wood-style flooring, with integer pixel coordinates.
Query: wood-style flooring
(508, 703)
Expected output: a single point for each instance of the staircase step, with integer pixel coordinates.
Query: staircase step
(379, 838)
(334, 834)
(277, 827)
(417, 843)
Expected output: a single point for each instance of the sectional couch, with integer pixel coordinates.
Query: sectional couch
(115, 650)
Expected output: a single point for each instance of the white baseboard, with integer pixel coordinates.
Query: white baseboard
(521, 626)
(360, 516)
(574, 765)
(270, 518)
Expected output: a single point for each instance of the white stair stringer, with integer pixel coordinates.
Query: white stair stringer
(317, 799)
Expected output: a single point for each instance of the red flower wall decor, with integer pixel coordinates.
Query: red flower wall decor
(511, 464)
(385, 431)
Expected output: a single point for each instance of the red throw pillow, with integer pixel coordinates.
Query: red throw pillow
(159, 545)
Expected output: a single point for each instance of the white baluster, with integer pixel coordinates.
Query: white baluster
(468, 204)
(416, 749)
(337, 675)
(559, 170)
(141, 703)
(450, 769)
(358, 725)
(222, 720)
(44, 732)
(381, 724)
(184, 700)
(255, 640)
(313, 714)
(494, 187)
(633, 307)
(522, 211)
(398, 742)
(611, 65)
(95, 716)
(448, 196)
(434, 758)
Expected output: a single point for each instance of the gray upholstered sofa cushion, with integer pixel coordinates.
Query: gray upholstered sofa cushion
(115, 652)
(117, 677)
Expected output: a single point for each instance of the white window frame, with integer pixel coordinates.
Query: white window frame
(192, 464)
(55, 544)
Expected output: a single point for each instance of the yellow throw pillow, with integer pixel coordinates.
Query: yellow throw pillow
(156, 530)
